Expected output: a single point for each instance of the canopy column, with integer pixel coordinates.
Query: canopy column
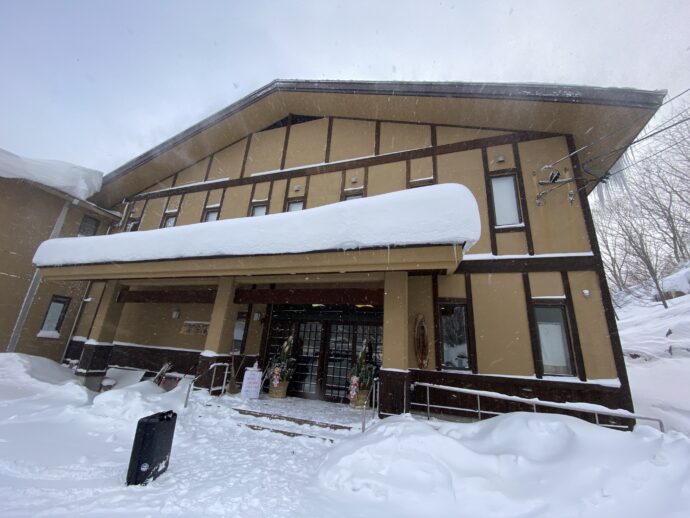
(395, 325)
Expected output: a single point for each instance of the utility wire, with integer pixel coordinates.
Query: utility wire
(614, 132)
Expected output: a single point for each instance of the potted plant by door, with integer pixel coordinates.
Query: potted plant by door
(361, 379)
(281, 370)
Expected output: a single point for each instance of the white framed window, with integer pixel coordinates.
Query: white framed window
(54, 317)
(132, 225)
(259, 210)
(454, 336)
(88, 226)
(554, 342)
(295, 206)
(505, 198)
(169, 220)
(353, 196)
(211, 215)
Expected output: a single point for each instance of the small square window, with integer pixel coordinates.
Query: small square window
(54, 317)
(211, 215)
(505, 198)
(88, 226)
(259, 210)
(353, 196)
(454, 336)
(294, 206)
(132, 225)
(169, 221)
(554, 342)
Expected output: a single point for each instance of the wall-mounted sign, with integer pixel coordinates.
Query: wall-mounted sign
(190, 327)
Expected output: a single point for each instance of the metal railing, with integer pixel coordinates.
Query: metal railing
(517, 399)
(373, 395)
(213, 368)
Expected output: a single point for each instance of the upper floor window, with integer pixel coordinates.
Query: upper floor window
(169, 220)
(295, 205)
(454, 336)
(210, 215)
(54, 317)
(554, 341)
(259, 210)
(353, 196)
(505, 198)
(88, 226)
(132, 225)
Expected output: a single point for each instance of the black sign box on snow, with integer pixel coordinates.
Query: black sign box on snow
(151, 449)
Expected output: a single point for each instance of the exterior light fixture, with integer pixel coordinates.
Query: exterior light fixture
(585, 293)
(175, 314)
(297, 188)
(354, 179)
(500, 159)
(256, 316)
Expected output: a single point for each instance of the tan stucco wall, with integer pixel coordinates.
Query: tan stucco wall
(509, 243)
(153, 215)
(324, 189)
(265, 151)
(395, 321)
(398, 137)
(228, 162)
(236, 202)
(546, 284)
(191, 208)
(386, 178)
(501, 327)
(451, 286)
(88, 313)
(557, 226)
(351, 139)
(307, 143)
(192, 174)
(591, 323)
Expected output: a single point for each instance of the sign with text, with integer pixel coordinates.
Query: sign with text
(251, 384)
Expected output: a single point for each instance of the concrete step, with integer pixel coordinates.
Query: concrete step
(296, 420)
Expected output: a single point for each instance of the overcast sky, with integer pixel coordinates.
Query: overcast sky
(99, 82)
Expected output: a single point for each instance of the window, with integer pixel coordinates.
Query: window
(238, 335)
(505, 200)
(259, 210)
(211, 215)
(295, 206)
(132, 225)
(169, 220)
(54, 317)
(88, 226)
(554, 340)
(454, 336)
(353, 196)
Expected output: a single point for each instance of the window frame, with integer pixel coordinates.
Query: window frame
(567, 331)
(210, 210)
(132, 222)
(167, 216)
(289, 202)
(353, 196)
(254, 206)
(516, 192)
(84, 219)
(469, 333)
(59, 299)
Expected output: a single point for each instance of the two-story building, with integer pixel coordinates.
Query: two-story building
(317, 209)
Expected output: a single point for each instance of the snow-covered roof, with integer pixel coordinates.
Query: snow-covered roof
(437, 214)
(75, 180)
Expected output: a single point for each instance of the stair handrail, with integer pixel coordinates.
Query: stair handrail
(373, 390)
(213, 367)
(574, 407)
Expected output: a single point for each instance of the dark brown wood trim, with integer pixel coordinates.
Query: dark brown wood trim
(98, 307)
(471, 337)
(490, 202)
(310, 296)
(266, 325)
(190, 296)
(220, 204)
(377, 138)
(343, 178)
(286, 142)
(531, 264)
(247, 145)
(575, 333)
(366, 182)
(609, 311)
(408, 173)
(503, 172)
(355, 163)
(503, 230)
(247, 323)
(208, 193)
(523, 199)
(434, 158)
(437, 322)
(307, 182)
(533, 333)
(329, 136)
(270, 195)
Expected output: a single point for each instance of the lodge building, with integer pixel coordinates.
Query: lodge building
(522, 308)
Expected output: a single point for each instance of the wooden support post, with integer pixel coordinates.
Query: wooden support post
(395, 325)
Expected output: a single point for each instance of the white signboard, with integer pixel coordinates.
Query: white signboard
(251, 384)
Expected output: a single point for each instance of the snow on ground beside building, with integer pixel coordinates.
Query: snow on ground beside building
(64, 451)
(656, 342)
(72, 179)
(436, 214)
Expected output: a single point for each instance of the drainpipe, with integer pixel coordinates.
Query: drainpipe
(33, 286)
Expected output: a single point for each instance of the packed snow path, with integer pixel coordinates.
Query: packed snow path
(64, 451)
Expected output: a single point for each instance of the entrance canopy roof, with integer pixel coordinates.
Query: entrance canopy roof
(444, 214)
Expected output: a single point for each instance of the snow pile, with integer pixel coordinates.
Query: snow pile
(437, 214)
(72, 179)
(678, 281)
(519, 464)
(656, 343)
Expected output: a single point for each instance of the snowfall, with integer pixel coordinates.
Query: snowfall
(64, 451)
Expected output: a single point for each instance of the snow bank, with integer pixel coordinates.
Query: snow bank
(437, 214)
(519, 464)
(78, 181)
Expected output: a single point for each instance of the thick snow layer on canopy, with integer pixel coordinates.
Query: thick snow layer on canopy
(72, 179)
(437, 214)
(64, 451)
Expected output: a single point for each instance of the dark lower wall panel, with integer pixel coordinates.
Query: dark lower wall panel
(153, 358)
(73, 351)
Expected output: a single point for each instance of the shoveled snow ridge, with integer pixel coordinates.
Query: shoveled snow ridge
(72, 179)
(437, 214)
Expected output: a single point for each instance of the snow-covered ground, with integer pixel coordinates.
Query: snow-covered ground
(656, 342)
(64, 451)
